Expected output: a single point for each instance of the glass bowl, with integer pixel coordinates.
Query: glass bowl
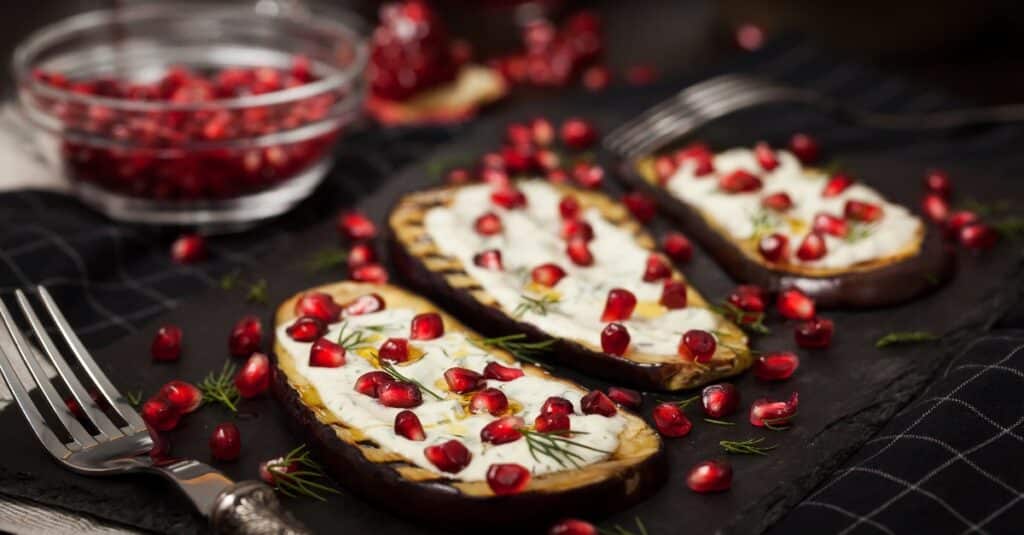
(121, 107)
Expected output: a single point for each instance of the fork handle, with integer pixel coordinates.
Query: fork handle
(252, 508)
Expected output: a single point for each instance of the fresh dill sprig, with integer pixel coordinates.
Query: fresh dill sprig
(778, 424)
(858, 232)
(514, 343)
(1011, 227)
(906, 337)
(532, 304)
(230, 280)
(750, 321)
(300, 481)
(985, 209)
(352, 339)
(763, 223)
(135, 398)
(556, 446)
(750, 446)
(326, 259)
(220, 387)
(641, 529)
(682, 403)
(718, 422)
(390, 370)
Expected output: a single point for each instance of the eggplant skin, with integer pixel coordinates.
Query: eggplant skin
(885, 285)
(438, 501)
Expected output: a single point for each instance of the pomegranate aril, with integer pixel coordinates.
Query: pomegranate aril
(935, 207)
(677, 247)
(719, 400)
(812, 247)
(556, 405)
(956, 221)
(748, 298)
(462, 380)
(830, 224)
(588, 175)
(188, 249)
(938, 183)
(795, 305)
(503, 192)
(739, 181)
(508, 197)
(184, 397)
(697, 345)
(408, 425)
(615, 339)
(631, 399)
(410, 52)
(557, 176)
(577, 229)
(226, 442)
(369, 383)
(572, 526)
(596, 77)
(364, 304)
(547, 275)
(805, 148)
(507, 478)
(253, 378)
(450, 456)
(780, 202)
(670, 420)
(551, 423)
(862, 211)
(641, 206)
(777, 366)
(978, 236)
(458, 176)
(542, 132)
(673, 294)
(569, 207)
(356, 226)
(498, 372)
(361, 254)
(579, 252)
(166, 344)
(426, 326)
(656, 268)
(394, 350)
(619, 305)
(502, 430)
(318, 305)
(578, 134)
(518, 134)
(399, 394)
(326, 354)
(489, 259)
(272, 469)
(306, 329)
(597, 402)
(664, 169)
(489, 400)
(767, 413)
(765, 156)
(709, 476)
(246, 337)
(836, 185)
(774, 247)
(371, 273)
(160, 414)
(815, 333)
(518, 158)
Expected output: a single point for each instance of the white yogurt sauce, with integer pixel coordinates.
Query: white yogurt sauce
(735, 212)
(445, 419)
(531, 238)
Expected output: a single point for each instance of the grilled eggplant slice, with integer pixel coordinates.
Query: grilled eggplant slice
(444, 244)
(874, 253)
(352, 431)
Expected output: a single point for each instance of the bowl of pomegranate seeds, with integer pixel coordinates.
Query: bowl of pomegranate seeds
(211, 115)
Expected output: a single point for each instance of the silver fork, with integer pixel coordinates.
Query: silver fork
(247, 507)
(715, 97)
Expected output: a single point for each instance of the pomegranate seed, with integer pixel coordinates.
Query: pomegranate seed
(812, 248)
(815, 333)
(551, 423)
(748, 298)
(369, 383)
(739, 181)
(937, 182)
(268, 469)
(596, 402)
(631, 399)
(496, 371)
(556, 405)
(489, 259)
(578, 229)
(518, 134)
(489, 400)
(547, 275)
(394, 350)
(450, 456)
(780, 202)
(670, 420)
(862, 211)
(664, 168)
(720, 400)
(160, 414)
(767, 413)
(371, 273)
(709, 476)
(579, 252)
(765, 156)
(836, 185)
(306, 329)
(326, 354)
(361, 254)
(364, 304)
(548, 160)
(408, 425)
(572, 526)
(188, 249)
(569, 207)
(542, 132)
(588, 175)
(507, 478)
(830, 224)
(502, 430)
(167, 343)
(499, 179)
(183, 397)
(774, 247)
(795, 305)
(777, 366)
(226, 442)
(578, 134)
(641, 206)
(615, 339)
(518, 158)
(656, 268)
(697, 345)
(508, 197)
(356, 226)
(935, 207)
(804, 147)
(493, 160)
(399, 394)
(958, 220)
(253, 378)
(318, 305)
(462, 380)
(426, 326)
(673, 294)
(619, 305)
(978, 236)
(677, 247)
(596, 78)
(246, 337)
(458, 176)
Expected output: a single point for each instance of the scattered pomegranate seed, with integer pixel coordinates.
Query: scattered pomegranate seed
(619, 305)
(508, 197)
(631, 399)
(739, 181)
(569, 207)
(408, 425)
(677, 247)
(226, 442)
(664, 168)
(588, 175)
(364, 304)
(670, 420)
(749, 37)
(956, 221)
(188, 249)
(556, 405)
(777, 366)
(656, 268)
(673, 294)
(748, 298)
(701, 156)
(765, 412)
(547, 275)
(306, 329)
(597, 402)
(805, 148)
(579, 252)
(356, 226)
(572, 526)
(498, 372)
(812, 247)
(836, 185)
(502, 184)
(160, 414)
(462, 380)
(507, 478)
(450, 456)
(361, 254)
(577, 228)
(458, 176)
(557, 176)
(518, 134)
(326, 354)
(369, 383)
(489, 259)
(548, 160)
(488, 224)
(542, 132)
(862, 211)
(935, 207)
(399, 394)
(697, 345)
(720, 400)
(502, 430)
(765, 156)
(710, 476)
(641, 206)
(780, 202)
(815, 333)
(493, 160)
(830, 224)
(394, 350)
(489, 400)
(318, 305)
(597, 78)
(372, 273)
(518, 158)
(937, 182)
(774, 247)
(426, 326)
(167, 343)
(795, 305)
(551, 423)
(615, 339)
(246, 337)
(184, 397)
(253, 378)
(268, 468)
(640, 75)
(578, 134)
(978, 236)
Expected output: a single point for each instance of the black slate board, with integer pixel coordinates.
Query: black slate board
(846, 391)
